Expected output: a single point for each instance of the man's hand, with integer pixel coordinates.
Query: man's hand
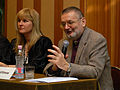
(58, 58)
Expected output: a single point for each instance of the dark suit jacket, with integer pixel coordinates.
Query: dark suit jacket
(5, 51)
(92, 59)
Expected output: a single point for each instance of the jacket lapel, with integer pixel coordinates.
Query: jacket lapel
(82, 44)
(69, 50)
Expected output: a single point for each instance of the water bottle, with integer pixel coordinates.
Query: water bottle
(19, 74)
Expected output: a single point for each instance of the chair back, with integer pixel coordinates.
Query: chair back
(115, 72)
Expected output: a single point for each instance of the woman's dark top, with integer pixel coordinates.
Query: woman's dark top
(6, 53)
(37, 55)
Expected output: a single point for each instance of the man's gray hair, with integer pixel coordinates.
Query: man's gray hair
(75, 9)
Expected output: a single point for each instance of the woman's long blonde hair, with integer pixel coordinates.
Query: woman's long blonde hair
(34, 17)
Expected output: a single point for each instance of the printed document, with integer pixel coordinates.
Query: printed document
(51, 79)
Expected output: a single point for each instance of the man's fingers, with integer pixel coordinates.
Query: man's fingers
(53, 51)
(51, 56)
(57, 49)
(52, 61)
(66, 56)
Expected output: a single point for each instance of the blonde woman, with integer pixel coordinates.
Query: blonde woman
(29, 35)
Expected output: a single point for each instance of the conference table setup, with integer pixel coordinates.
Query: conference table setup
(23, 84)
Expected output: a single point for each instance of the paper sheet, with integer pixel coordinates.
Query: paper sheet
(51, 79)
(6, 72)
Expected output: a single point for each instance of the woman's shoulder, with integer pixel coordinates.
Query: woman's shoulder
(44, 39)
(13, 42)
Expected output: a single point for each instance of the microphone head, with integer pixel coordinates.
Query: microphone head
(65, 43)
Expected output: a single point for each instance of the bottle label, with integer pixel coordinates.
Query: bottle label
(19, 73)
(20, 70)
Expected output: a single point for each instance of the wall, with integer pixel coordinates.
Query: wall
(101, 15)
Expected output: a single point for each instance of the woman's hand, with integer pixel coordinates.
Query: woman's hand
(5, 65)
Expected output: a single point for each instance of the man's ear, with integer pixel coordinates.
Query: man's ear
(83, 20)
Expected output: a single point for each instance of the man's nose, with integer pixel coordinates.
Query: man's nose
(66, 26)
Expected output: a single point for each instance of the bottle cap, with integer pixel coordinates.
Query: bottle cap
(19, 46)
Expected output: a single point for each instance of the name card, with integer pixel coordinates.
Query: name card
(6, 72)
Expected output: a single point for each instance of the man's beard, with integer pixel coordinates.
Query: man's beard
(74, 35)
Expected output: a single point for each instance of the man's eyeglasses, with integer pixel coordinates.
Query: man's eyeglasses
(69, 23)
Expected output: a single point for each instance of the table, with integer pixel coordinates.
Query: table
(15, 84)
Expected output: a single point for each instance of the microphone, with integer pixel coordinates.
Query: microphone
(64, 48)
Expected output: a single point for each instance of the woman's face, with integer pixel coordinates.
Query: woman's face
(24, 26)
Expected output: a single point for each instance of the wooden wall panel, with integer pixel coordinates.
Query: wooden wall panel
(58, 32)
(11, 15)
(37, 6)
(47, 18)
(5, 33)
(98, 18)
(82, 6)
(113, 11)
(67, 3)
(19, 5)
(28, 3)
(115, 6)
(118, 31)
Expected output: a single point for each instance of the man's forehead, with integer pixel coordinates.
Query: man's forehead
(69, 16)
